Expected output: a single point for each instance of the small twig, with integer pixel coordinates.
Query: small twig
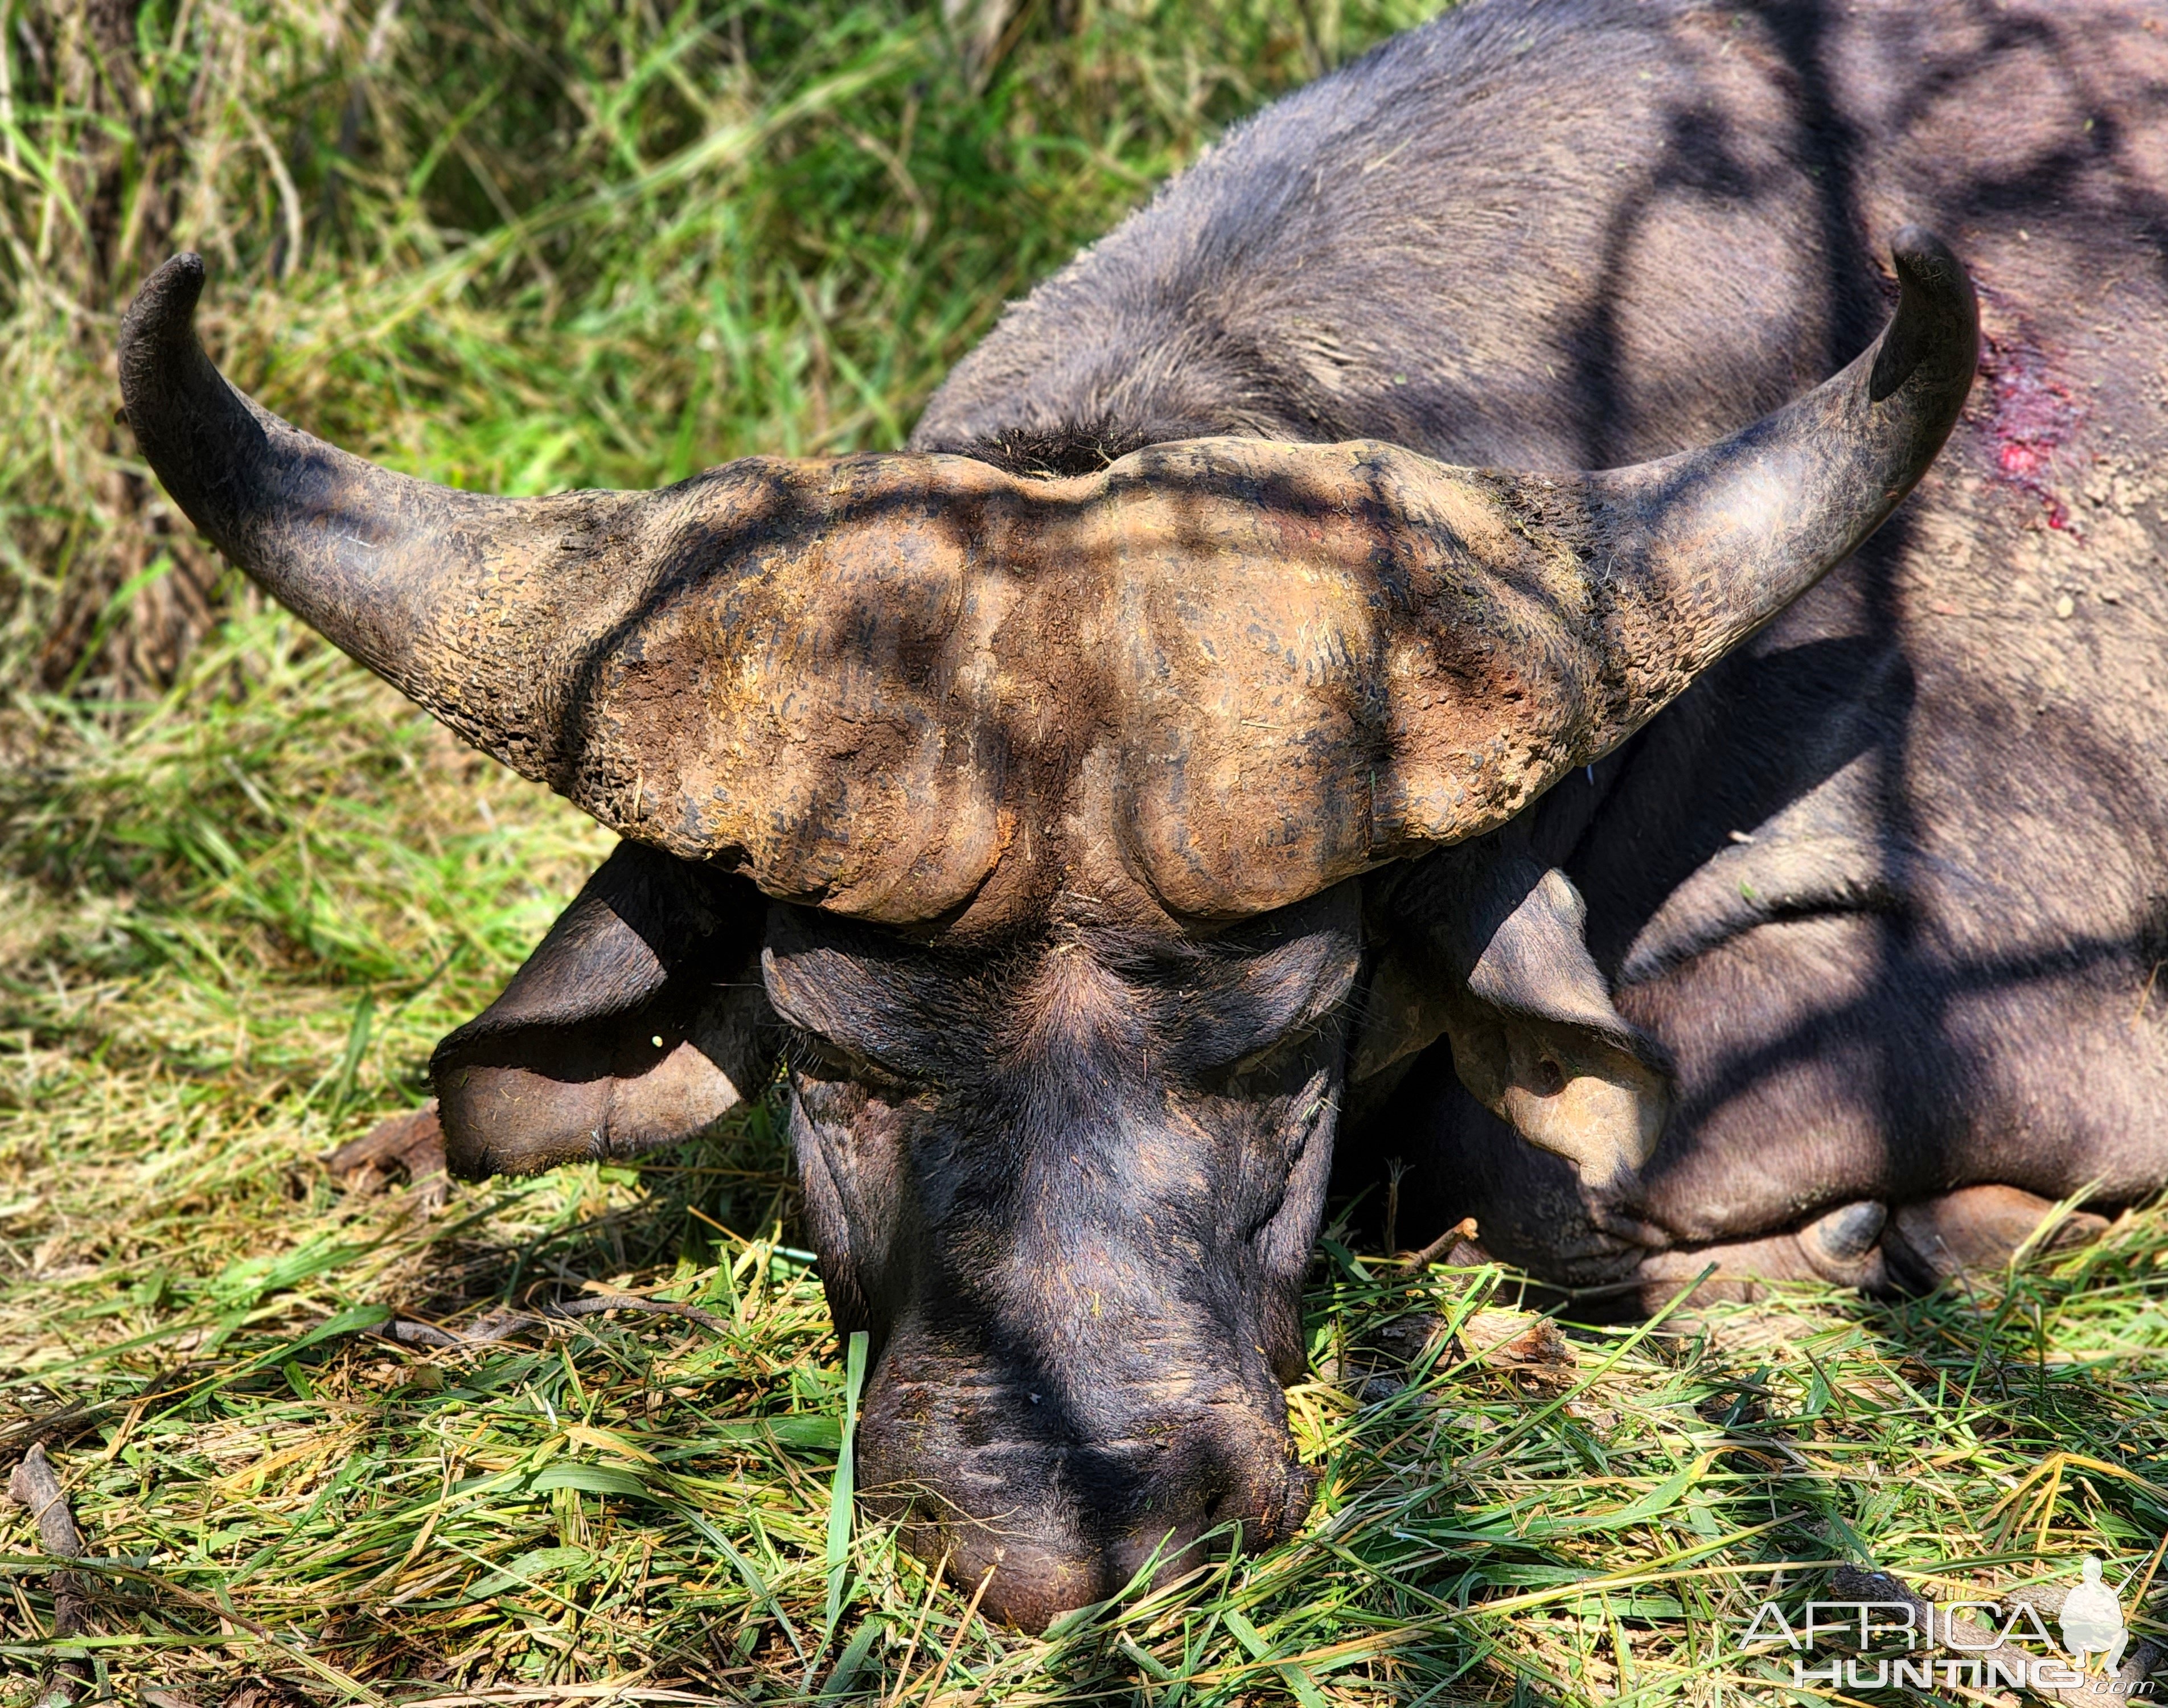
(501, 1325)
(589, 1305)
(70, 1420)
(34, 1485)
(498, 1325)
(411, 1333)
(1464, 1229)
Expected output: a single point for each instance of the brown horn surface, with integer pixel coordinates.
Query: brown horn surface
(1696, 552)
(1240, 671)
(372, 561)
(1681, 560)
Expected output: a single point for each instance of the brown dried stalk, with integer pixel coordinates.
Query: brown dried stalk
(34, 1485)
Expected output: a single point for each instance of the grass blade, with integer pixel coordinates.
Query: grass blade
(840, 1491)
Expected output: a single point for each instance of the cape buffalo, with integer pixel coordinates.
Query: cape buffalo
(1232, 706)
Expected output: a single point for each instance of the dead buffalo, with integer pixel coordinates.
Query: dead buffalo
(1233, 706)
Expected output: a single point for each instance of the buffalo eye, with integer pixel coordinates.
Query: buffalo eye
(823, 1057)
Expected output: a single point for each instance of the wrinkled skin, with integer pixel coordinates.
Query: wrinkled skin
(1068, 1180)
(1064, 1112)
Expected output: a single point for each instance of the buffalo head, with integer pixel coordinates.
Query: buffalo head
(1028, 820)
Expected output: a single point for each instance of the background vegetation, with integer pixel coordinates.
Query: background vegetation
(521, 246)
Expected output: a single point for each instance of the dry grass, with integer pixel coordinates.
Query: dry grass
(242, 891)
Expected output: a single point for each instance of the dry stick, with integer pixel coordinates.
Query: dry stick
(1463, 1229)
(940, 1674)
(412, 1334)
(34, 1485)
(500, 1325)
(590, 1304)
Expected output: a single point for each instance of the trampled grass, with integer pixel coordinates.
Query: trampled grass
(566, 246)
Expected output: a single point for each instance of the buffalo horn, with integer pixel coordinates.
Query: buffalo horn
(1696, 553)
(374, 561)
(1248, 669)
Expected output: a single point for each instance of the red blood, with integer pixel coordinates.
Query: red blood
(2032, 418)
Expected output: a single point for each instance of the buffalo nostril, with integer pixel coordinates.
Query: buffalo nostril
(1059, 1530)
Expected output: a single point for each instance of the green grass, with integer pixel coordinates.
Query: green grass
(242, 893)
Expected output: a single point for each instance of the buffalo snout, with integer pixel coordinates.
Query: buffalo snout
(1057, 1490)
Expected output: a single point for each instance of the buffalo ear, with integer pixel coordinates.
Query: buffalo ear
(638, 1021)
(1507, 978)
